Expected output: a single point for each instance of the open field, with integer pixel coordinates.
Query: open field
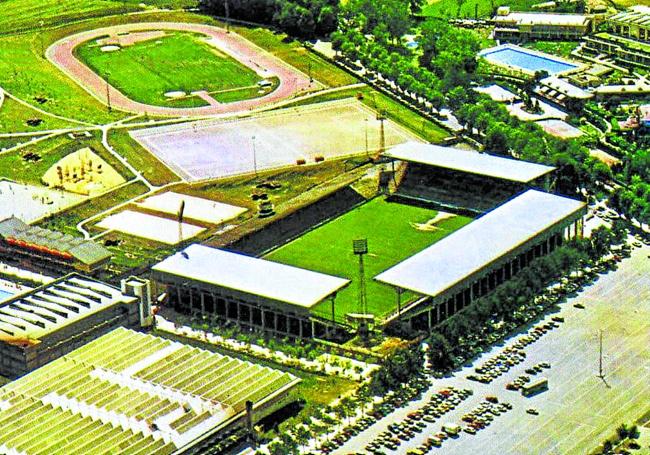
(14, 117)
(17, 165)
(579, 410)
(214, 149)
(291, 81)
(392, 237)
(185, 62)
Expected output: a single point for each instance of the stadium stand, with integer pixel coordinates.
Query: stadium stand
(132, 393)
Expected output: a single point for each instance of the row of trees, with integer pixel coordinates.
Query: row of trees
(301, 18)
(502, 133)
(505, 303)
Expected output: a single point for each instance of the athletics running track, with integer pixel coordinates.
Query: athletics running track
(292, 81)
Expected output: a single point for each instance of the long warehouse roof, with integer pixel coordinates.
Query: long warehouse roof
(271, 280)
(485, 240)
(31, 316)
(131, 393)
(468, 161)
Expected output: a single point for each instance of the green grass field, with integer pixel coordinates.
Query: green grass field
(391, 239)
(179, 61)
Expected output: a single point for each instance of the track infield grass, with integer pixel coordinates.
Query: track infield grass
(392, 237)
(178, 61)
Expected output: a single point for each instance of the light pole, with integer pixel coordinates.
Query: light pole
(367, 138)
(254, 158)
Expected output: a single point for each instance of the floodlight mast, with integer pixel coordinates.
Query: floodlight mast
(360, 248)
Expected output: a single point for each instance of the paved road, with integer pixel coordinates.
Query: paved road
(579, 409)
(292, 81)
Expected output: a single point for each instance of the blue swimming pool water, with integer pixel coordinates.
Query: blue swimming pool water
(530, 62)
(4, 295)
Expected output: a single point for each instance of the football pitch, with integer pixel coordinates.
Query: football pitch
(177, 62)
(394, 232)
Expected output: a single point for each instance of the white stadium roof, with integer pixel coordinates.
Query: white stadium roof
(268, 279)
(480, 243)
(468, 161)
(566, 20)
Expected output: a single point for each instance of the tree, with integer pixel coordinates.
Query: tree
(440, 352)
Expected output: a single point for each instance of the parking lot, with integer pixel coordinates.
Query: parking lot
(579, 409)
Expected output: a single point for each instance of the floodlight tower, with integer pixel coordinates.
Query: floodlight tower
(181, 211)
(600, 357)
(382, 133)
(360, 248)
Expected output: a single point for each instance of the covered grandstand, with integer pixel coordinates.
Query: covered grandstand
(250, 291)
(52, 320)
(461, 180)
(132, 393)
(494, 248)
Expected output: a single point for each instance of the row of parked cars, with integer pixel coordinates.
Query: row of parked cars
(482, 416)
(519, 382)
(498, 365)
(417, 421)
(393, 400)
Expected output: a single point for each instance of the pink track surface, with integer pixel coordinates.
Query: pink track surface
(291, 80)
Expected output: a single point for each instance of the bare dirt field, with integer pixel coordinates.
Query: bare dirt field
(214, 149)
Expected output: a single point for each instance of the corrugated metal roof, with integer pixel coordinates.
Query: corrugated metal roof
(84, 251)
(49, 308)
(485, 240)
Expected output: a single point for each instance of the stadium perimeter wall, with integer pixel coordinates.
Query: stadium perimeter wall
(298, 222)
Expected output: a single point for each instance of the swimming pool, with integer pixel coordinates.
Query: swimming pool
(526, 60)
(4, 295)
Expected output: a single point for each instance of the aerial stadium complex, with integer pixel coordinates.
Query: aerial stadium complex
(43, 324)
(411, 276)
(132, 393)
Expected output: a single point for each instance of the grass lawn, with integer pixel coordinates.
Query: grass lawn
(13, 166)
(391, 239)
(26, 14)
(179, 61)
(14, 116)
(152, 169)
(467, 9)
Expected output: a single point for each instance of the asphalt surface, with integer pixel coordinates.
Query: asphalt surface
(580, 409)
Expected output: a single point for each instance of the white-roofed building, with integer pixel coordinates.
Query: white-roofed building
(468, 161)
(498, 93)
(472, 261)
(252, 291)
(463, 181)
(52, 320)
(546, 26)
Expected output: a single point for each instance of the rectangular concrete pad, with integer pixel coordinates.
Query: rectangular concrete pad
(196, 208)
(150, 227)
(218, 148)
(31, 203)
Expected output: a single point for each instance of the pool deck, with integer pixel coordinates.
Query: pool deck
(576, 66)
